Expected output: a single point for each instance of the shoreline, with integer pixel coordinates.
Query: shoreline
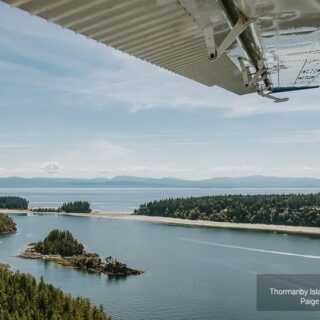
(86, 261)
(298, 230)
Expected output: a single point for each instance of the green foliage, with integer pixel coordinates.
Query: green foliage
(285, 209)
(76, 206)
(60, 242)
(7, 224)
(46, 210)
(114, 266)
(13, 203)
(22, 298)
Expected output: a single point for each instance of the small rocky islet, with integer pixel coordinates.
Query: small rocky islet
(62, 248)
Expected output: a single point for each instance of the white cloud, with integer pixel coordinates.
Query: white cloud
(159, 171)
(17, 146)
(101, 74)
(88, 158)
(50, 167)
(146, 170)
(233, 171)
(65, 70)
(296, 171)
(107, 149)
(294, 137)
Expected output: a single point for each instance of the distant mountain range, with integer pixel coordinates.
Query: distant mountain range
(140, 182)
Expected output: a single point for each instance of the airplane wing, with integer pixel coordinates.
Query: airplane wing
(244, 46)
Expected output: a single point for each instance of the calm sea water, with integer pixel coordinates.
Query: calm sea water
(113, 199)
(187, 275)
(190, 274)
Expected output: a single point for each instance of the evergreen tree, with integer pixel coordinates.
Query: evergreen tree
(13, 203)
(21, 298)
(60, 242)
(76, 206)
(285, 209)
(7, 225)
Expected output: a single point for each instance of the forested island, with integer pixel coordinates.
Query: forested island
(23, 298)
(7, 225)
(68, 207)
(62, 248)
(7, 202)
(76, 206)
(278, 209)
(18, 203)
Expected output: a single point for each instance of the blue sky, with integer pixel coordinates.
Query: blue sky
(71, 107)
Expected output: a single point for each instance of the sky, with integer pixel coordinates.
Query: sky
(71, 107)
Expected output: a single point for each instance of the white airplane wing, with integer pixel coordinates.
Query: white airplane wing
(244, 46)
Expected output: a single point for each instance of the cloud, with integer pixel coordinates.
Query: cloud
(296, 171)
(107, 149)
(84, 87)
(294, 137)
(50, 167)
(234, 171)
(75, 70)
(160, 171)
(88, 158)
(145, 170)
(17, 146)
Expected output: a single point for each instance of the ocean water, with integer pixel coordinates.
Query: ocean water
(125, 200)
(190, 273)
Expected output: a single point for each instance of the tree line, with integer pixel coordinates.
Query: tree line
(22, 298)
(68, 207)
(76, 206)
(9, 202)
(280, 209)
(18, 203)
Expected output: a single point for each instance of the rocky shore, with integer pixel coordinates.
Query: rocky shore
(8, 231)
(90, 262)
(4, 266)
(7, 225)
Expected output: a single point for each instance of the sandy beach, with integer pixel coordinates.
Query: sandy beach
(183, 222)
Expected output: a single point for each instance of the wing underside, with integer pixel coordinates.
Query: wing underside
(283, 38)
(158, 31)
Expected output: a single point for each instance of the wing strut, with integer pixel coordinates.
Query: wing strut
(241, 25)
(214, 51)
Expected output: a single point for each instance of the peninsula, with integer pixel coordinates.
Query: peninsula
(299, 210)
